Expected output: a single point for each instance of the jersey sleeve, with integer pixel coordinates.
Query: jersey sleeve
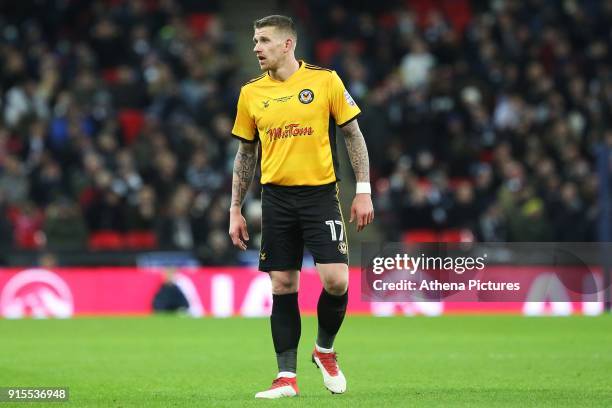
(343, 107)
(244, 126)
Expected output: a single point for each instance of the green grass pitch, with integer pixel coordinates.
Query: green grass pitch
(467, 361)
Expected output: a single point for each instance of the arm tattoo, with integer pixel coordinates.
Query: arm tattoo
(244, 169)
(357, 151)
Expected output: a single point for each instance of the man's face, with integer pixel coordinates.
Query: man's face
(270, 47)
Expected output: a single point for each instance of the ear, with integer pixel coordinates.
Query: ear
(288, 44)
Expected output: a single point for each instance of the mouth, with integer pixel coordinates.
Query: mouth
(261, 58)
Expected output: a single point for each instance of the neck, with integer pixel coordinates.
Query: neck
(285, 70)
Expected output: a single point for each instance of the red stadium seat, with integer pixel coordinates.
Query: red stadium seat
(420, 235)
(457, 235)
(131, 121)
(105, 240)
(198, 23)
(140, 240)
(326, 50)
(429, 235)
(459, 12)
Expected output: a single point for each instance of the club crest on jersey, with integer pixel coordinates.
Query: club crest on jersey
(342, 248)
(306, 96)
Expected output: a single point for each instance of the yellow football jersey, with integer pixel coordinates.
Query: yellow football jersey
(295, 121)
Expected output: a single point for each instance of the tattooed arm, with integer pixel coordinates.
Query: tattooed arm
(362, 209)
(357, 151)
(244, 170)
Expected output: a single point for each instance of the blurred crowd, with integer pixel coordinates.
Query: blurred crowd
(116, 116)
(486, 114)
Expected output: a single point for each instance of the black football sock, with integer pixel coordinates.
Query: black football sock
(286, 330)
(330, 312)
(287, 361)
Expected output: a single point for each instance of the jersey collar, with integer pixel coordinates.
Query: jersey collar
(291, 77)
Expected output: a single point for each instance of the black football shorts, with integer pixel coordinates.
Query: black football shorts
(298, 216)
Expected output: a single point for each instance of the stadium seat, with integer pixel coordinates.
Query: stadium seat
(420, 235)
(140, 240)
(131, 121)
(456, 235)
(198, 23)
(102, 240)
(458, 12)
(326, 50)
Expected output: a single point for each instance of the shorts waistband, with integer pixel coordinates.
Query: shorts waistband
(276, 187)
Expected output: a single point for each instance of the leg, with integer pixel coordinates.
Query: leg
(285, 319)
(332, 302)
(325, 237)
(330, 312)
(324, 234)
(286, 330)
(281, 257)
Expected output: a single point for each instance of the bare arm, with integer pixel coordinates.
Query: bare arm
(357, 151)
(244, 170)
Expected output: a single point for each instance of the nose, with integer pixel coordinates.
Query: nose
(256, 47)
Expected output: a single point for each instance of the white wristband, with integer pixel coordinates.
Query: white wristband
(363, 188)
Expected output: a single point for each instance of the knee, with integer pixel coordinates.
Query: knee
(284, 285)
(336, 286)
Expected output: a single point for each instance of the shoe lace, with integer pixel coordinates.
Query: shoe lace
(329, 361)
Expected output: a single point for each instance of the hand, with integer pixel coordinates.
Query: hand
(362, 210)
(238, 229)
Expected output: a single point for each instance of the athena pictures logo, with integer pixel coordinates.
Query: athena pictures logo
(306, 96)
(38, 293)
